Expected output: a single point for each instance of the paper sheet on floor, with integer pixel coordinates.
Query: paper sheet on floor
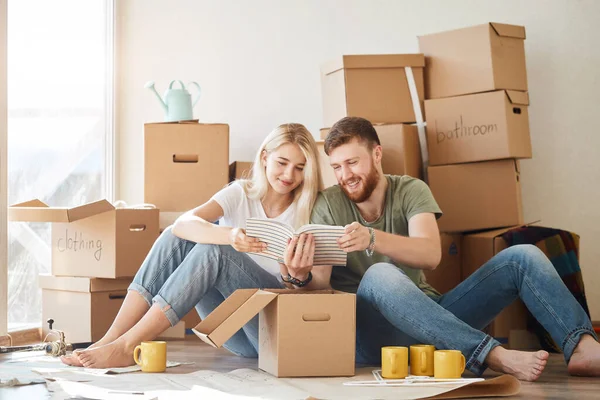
(252, 384)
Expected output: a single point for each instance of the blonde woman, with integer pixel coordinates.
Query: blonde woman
(197, 263)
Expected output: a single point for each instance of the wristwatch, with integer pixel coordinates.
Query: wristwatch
(297, 282)
(369, 250)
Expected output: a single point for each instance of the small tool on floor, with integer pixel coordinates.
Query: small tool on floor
(56, 348)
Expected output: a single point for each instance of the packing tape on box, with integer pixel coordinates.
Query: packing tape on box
(414, 95)
(123, 204)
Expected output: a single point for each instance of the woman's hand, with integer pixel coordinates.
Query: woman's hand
(299, 255)
(243, 243)
(356, 238)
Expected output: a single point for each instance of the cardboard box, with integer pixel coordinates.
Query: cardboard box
(191, 319)
(476, 59)
(327, 173)
(324, 321)
(448, 273)
(478, 127)
(94, 240)
(185, 163)
(240, 170)
(82, 307)
(477, 196)
(401, 149)
(477, 249)
(374, 87)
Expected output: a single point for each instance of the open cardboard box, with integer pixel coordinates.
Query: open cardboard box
(301, 333)
(94, 240)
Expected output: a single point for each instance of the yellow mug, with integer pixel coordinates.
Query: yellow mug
(448, 364)
(153, 356)
(421, 359)
(394, 362)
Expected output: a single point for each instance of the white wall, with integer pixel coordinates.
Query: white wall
(3, 177)
(258, 65)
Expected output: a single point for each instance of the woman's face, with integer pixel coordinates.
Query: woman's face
(284, 168)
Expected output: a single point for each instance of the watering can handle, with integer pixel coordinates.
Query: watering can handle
(197, 94)
(173, 81)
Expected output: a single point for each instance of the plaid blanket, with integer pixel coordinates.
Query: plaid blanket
(562, 248)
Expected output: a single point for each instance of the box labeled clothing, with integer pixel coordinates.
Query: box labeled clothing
(447, 275)
(475, 59)
(185, 163)
(477, 249)
(478, 127)
(475, 196)
(84, 308)
(401, 149)
(374, 87)
(240, 170)
(323, 321)
(94, 240)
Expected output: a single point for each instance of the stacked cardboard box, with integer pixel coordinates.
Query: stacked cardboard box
(476, 110)
(185, 163)
(376, 87)
(96, 250)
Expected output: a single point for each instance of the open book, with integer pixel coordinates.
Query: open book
(276, 234)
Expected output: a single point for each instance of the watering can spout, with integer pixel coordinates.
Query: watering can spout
(150, 85)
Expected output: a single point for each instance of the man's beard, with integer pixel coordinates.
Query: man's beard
(369, 185)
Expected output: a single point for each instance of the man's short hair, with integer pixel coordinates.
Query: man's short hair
(349, 128)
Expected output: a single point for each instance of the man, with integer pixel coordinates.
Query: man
(392, 236)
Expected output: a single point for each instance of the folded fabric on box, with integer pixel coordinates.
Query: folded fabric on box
(562, 248)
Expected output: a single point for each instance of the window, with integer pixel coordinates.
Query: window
(60, 132)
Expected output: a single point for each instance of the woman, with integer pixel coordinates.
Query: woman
(198, 263)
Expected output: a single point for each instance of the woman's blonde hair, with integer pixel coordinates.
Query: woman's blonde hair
(306, 193)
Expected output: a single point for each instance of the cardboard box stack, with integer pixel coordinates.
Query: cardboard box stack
(476, 110)
(96, 250)
(376, 87)
(185, 163)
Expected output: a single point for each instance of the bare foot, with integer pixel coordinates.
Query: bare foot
(585, 360)
(73, 358)
(523, 365)
(112, 355)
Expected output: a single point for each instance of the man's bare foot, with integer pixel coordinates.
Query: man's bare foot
(112, 355)
(523, 365)
(73, 358)
(585, 360)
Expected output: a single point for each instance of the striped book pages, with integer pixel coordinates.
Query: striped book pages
(276, 234)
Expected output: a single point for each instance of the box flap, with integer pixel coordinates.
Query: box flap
(374, 61)
(231, 315)
(514, 31)
(81, 284)
(499, 232)
(38, 211)
(517, 97)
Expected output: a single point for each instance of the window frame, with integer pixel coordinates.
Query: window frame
(3, 172)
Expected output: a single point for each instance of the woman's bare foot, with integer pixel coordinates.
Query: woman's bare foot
(523, 365)
(73, 358)
(112, 355)
(585, 360)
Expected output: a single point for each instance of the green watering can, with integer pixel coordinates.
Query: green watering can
(177, 103)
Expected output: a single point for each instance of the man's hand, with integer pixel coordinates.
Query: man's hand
(243, 243)
(356, 238)
(299, 255)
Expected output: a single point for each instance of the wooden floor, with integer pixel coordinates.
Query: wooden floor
(554, 383)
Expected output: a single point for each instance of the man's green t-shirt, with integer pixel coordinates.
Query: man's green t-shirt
(405, 197)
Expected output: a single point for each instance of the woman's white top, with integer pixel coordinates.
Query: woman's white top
(237, 208)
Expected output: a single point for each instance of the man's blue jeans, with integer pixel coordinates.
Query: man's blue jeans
(393, 311)
(179, 275)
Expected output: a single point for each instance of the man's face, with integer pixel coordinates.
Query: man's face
(354, 167)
